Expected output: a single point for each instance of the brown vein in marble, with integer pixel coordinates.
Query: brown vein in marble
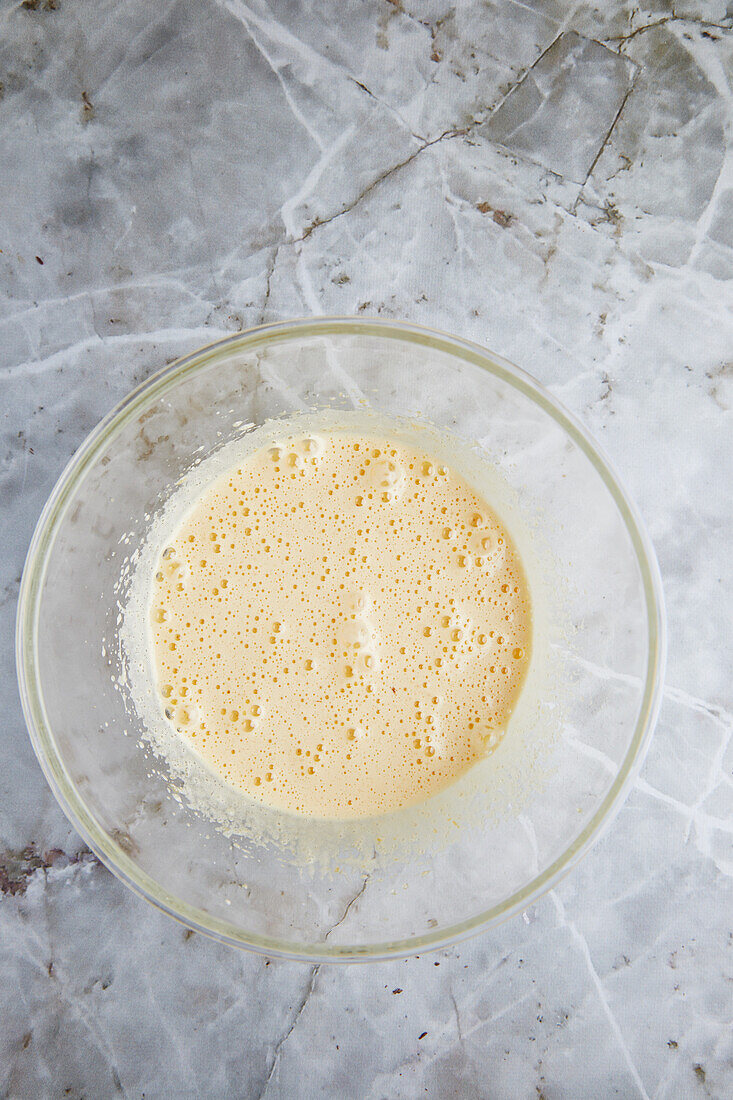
(281, 1042)
(606, 139)
(318, 223)
(673, 18)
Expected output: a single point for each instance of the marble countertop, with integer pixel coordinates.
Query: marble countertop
(552, 179)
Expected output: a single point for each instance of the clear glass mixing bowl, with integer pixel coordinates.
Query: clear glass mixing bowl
(68, 612)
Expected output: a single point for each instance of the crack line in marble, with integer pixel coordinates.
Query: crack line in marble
(718, 714)
(717, 76)
(712, 781)
(545, 102)
(269, 374)
(102, 1042)
(461, 245)
(349, 904)
(206, 236)
(521, 77)
(159, 1015)
(49, 968)
(281, 1042)
(318, 224)
(387, 106)
(268, 282)
(153, 281)
(245, 16)
(695, 21)
(692, 813)
(590, 751)
(682, 698)
(582, 944)
(445, 1051)
(141, 35)
(56, 358)
(459, 1027)
(313, 177)
(605, 141)
(283, 37)
(277, 32)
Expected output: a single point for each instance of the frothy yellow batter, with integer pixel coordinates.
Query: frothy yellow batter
(341, 626)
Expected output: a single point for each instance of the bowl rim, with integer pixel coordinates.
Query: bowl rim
(40, 728)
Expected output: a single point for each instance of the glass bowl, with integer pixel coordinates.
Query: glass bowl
(608, 673)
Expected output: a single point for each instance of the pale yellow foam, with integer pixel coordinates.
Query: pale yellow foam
(341, 626)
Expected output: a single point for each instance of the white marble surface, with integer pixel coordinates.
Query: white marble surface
(552, 179)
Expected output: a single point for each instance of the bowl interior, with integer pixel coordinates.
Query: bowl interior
(592, 724)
